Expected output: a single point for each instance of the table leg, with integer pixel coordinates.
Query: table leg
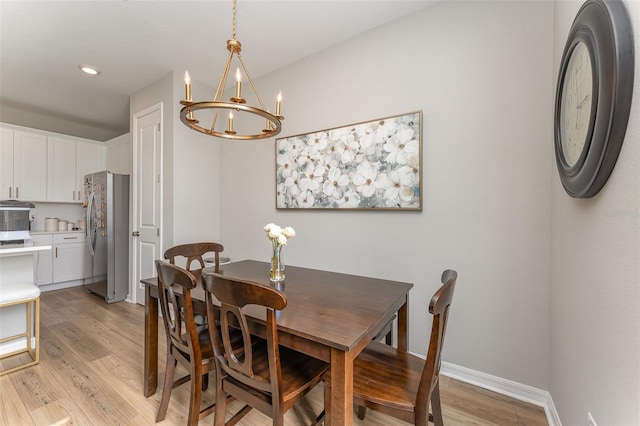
(341, 403)
(403, 329)
(150, 343)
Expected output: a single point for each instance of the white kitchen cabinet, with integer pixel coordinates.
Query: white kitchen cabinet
(24, 165)
(6, 163)
(45, 166)
(68, 256)
(69, 161)
(90, 158)
(43, 268)
(61, 176)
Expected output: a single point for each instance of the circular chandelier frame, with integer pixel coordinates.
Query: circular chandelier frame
(190, 107)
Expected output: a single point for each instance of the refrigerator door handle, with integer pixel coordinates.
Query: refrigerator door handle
(91, 228)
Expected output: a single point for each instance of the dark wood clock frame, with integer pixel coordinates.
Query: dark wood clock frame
(605, 28)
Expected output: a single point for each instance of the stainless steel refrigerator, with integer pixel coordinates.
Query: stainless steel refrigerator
(107, 235)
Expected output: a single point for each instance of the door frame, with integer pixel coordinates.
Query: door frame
(134, 193)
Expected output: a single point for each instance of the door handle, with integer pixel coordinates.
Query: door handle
(135, 234)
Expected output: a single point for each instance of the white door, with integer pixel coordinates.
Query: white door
(147, 195)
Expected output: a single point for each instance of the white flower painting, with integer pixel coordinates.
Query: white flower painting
(372, 165)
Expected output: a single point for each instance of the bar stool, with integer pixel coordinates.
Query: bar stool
(27, 294)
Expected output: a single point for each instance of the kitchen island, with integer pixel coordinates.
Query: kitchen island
(16, 265)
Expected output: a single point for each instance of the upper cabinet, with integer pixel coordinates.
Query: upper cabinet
(69, 161)
(61, 182)
(23, 156)
(90, 158)
(42, 166)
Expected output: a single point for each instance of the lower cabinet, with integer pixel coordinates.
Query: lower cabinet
(43, 259)
(68, 256)
(65, 262)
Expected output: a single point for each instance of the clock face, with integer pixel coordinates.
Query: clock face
(576, 102)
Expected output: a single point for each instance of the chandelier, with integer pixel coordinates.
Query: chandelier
(263, 123)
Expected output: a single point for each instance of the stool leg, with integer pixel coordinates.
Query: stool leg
(37, 329)
(29, 319)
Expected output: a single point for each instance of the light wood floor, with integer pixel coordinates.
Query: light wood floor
(90, 373)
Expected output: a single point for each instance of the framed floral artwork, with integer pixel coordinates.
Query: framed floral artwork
(375, 165)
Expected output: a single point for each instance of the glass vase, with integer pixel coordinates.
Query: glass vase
(277, 266)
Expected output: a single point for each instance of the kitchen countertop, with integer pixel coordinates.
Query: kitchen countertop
(56, 232)
(21, 249)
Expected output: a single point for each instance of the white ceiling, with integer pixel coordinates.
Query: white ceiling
(134, 43)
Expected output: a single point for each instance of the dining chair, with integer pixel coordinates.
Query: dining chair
(400, 384)
(194, 252)
(264, 376)
(185, 342)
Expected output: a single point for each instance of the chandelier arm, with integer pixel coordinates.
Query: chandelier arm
(220, 89)
(223, 78)
(253, 86)
(213, 122)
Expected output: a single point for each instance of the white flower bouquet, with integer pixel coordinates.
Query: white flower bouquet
(278, 236)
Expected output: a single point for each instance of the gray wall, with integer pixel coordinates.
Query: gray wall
(482, 73)
(595, 278)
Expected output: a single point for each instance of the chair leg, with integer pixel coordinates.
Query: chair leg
(205, 381)
(194, 400)
(167, 387)
(221, 403)
(361, 412)
(435, 405)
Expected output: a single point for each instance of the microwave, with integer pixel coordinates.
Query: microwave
(14, 221)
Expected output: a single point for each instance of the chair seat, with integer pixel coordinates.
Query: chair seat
(377, 379)
(300, 372)
(15, 292)
(205, 344)
(207, 348)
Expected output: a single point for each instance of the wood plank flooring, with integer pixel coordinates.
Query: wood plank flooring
(90, 373)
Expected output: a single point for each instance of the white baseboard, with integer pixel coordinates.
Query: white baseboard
(515, 390)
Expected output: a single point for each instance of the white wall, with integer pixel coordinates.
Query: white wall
(595, 277)
(481, 72)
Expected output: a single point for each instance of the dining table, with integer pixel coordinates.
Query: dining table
(331, 316)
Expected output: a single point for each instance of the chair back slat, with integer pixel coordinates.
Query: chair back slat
(234, 295)
(174, 290)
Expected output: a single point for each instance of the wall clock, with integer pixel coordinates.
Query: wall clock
(593, 96)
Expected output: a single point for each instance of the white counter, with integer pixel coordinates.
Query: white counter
(16, 265)
(21, 249)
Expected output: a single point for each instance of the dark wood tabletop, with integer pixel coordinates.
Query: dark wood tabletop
(329, 315)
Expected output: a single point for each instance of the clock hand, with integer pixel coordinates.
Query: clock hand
(583, 101)
(575, 76)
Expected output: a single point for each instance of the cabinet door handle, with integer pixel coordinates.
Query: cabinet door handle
(56, 252)
(17, 192)
(10, 192)
(135, 234)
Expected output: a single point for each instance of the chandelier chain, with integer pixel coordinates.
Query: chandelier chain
(233, 22)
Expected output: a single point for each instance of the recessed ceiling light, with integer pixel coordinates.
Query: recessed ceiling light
(89, 70)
